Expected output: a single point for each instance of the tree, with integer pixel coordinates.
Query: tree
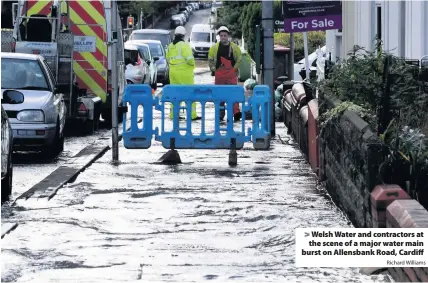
(249, 15)
(133, 8)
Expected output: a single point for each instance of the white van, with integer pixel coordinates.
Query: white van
(201, 39)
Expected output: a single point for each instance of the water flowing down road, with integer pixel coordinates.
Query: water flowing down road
(200, 220)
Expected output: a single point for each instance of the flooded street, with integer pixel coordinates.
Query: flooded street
(197, 221)
(144, 222)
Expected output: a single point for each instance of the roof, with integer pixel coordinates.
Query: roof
(161, 31)
(130, 46)
(143, 41)
(19, 55)
(134, 43)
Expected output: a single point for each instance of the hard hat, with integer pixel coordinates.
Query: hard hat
(180, 30)
(223, 28)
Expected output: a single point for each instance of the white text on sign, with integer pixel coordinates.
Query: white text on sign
(368, 247)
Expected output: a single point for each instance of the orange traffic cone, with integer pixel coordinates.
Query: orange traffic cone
(153, 91)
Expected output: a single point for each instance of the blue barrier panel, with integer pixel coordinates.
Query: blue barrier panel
(261, 108)
(176, 94)
(136, 137)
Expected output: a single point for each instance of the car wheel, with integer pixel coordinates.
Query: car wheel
(57, 145)
(6, 182)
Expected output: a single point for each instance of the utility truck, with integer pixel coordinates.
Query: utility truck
(75, 38)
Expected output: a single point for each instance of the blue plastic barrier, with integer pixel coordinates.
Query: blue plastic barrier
(134, 137)
(259, 104)
(177, 94)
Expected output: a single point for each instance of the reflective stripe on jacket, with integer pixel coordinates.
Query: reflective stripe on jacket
(212, 55)
(180, 53)
(181, 63)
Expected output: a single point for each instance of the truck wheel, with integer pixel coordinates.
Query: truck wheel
(107, 117)
(6, 182)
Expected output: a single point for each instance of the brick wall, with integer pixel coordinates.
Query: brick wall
(393, 207)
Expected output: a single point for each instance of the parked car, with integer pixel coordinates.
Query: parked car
(37, 123)
(6, 153)
(162, 35)
(149, 59)
(183, 16)
(186, 12)
(157, 50)
(136, 69)
(195, 5)
(176, 21)
(299, 66)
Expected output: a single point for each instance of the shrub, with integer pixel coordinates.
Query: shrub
(386, 88)
(315, 39)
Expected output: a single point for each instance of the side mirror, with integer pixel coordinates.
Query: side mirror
(155, 59)
(61, 88)
(12, 97)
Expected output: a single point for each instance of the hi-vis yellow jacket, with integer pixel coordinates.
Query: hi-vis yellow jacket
(181, 63)
(212, 55)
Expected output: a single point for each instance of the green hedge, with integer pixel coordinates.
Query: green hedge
(315, 39)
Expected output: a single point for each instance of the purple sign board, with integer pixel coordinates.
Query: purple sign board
(312, 15)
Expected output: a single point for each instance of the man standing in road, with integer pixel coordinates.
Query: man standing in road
(181, 64)
(224, 59)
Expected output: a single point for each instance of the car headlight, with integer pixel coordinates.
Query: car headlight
(162, 65)
(31, 116)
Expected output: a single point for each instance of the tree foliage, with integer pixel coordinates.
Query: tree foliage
(241, 17)
(315, 39)
(133, 8)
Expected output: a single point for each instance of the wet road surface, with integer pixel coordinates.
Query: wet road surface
(197, 221)
(30, 168)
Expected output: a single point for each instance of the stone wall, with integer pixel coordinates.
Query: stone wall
(350, 154)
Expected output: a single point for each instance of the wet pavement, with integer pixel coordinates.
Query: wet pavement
(197, 221)
(201, 220)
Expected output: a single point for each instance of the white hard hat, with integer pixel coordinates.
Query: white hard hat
(223, 28)
(180, 30)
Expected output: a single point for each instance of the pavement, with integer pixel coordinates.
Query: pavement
(197, 221)
(140, 221)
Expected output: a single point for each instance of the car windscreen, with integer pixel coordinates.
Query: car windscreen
(155, 49)
(200, 36)
(22, 74)
(144, 52)
(164, 38)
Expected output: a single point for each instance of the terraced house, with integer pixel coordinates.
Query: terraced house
(401, 25)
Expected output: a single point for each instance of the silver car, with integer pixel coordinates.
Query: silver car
(6, 156)
(37, 123)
